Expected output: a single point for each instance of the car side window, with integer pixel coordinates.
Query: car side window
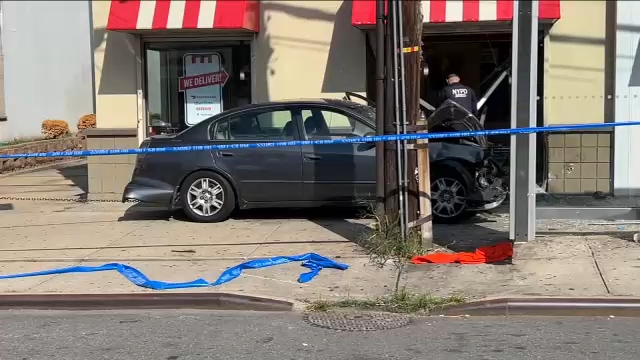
(328, 124)
(275, 125)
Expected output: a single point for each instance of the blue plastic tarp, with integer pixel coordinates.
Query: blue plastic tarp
(311, 261)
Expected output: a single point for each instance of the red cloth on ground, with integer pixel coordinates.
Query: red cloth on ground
(483, 255)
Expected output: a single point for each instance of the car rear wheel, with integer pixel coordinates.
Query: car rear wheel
(449, 192)
(207, 197)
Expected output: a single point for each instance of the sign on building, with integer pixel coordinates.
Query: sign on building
(202, 83)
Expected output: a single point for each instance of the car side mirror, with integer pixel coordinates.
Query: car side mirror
(371, 133)
(367, 145)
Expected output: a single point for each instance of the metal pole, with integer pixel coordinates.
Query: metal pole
(380, 105)
(404, 181)
(393, 9)
(522, 207)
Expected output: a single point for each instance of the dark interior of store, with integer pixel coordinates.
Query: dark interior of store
(478, 59)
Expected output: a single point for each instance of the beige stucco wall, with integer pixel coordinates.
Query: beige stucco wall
(308, 49)
(305, 49)
(574, 64)
(116, 57)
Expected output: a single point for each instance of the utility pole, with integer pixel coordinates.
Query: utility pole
(380, 99)
(391, 181)
(418, 195)
(412, 30)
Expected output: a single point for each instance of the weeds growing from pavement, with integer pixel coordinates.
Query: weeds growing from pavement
(385, 243)
(399, 302)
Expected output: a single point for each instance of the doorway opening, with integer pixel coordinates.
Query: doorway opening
(188, 82)
(479, 59)
(478, 56)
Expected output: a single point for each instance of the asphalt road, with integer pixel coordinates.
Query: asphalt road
(183, 335)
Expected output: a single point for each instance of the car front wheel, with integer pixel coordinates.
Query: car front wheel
(207, 197)
(449, 192)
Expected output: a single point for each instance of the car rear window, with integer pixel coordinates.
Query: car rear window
(364, 110)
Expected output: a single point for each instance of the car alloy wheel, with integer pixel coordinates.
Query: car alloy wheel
(205, 197)
(448, 197)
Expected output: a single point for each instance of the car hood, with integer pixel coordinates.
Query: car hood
(451, 117)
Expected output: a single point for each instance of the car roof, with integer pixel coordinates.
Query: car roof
(359, 108)
(337, 102)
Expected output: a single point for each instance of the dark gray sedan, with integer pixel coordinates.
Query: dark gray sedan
(210, 185)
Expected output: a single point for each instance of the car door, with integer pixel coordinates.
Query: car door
(272, 174)
(336, 172)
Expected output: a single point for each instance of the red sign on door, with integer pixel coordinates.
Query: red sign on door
(202, 80)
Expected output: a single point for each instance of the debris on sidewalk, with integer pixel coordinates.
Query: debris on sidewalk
(483, 255)
(311, 261)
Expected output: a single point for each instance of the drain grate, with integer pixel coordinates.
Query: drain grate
(356, 321)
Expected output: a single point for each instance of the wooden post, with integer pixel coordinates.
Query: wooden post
(380, 105)
(424, 189)
(412, 31)
(391, 185)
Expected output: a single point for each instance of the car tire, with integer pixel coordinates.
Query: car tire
(207, 197)
(449, 190)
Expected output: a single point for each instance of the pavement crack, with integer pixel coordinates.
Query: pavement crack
(600, 272)
(264, 240)
(84, 258)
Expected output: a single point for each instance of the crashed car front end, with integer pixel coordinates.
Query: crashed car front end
(475, 154)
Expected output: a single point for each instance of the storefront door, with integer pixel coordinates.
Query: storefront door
(186, 84)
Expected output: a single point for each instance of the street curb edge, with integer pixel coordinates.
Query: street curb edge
(546, 306)
(146, 301)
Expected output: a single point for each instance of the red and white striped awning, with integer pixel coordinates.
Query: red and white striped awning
(450, 11)
(130, 15)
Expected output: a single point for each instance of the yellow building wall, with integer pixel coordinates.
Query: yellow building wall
(117, 58)
(308, 49)
(574, 64)
(305, 49)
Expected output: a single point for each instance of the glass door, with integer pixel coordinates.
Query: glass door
(186, 84)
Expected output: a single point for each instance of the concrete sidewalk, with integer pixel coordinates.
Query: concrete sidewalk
(56, 235)
(569, 259)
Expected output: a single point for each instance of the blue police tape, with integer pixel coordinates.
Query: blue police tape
(382, 138)
(311, 261)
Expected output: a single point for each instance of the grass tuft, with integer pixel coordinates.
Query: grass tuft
(400, 302)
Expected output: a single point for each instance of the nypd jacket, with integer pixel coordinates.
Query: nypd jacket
(461, 94)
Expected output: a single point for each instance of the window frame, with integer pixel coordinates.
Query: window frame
(254, 112)
(350, 115)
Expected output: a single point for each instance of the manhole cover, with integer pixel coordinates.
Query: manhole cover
(356, 321)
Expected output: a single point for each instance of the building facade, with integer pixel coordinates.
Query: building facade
(47, 69)
(274, 50)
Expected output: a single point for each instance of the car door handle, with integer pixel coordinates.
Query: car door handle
(224, 153)
(312, 157)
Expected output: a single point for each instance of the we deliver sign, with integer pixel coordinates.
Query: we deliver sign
(202, 83)
(198, 81)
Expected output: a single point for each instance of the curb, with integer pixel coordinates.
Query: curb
(549, 306)
(146, 301)
(55, 165)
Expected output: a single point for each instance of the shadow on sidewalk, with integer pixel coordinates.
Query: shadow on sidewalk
(335, 220)
(77, 174)
(350, 223)
(479, 231)
(6, 207)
